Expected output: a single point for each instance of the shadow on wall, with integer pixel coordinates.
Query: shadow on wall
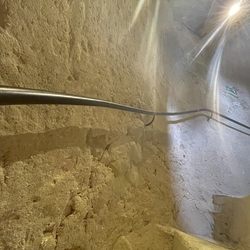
(232, 221)
(21, 147)
(3, 14)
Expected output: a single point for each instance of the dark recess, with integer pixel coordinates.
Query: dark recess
(3, 14)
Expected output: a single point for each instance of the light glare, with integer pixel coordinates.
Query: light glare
(234, 9)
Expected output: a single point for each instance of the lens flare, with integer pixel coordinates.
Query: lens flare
(234, 9)
(137, 12)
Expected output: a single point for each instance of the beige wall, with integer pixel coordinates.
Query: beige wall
(81, 177)
(93, 178)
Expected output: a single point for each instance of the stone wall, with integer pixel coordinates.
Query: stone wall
(81, 177)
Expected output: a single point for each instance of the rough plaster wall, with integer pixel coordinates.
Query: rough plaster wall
(80, 177)
(207, 158)
(232, 220)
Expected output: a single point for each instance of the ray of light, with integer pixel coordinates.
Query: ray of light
(185, 63)
(211, 37)
(137, 12)
(152, 50)
(152, 41)
(214, 71)
(234, 9)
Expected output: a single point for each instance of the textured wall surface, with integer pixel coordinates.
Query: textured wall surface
(80, 177)
(92, 178)
(208, 157)
(232, 220)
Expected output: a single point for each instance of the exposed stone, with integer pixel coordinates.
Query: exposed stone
(76, 177)
(122, 244)
(232, 221)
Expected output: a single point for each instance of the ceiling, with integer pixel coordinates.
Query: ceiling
(201, 17)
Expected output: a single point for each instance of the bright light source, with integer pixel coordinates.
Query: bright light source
(234, 9)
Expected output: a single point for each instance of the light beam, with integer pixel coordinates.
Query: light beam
(234, 9)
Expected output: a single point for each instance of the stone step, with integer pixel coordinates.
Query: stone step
(183, 241)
